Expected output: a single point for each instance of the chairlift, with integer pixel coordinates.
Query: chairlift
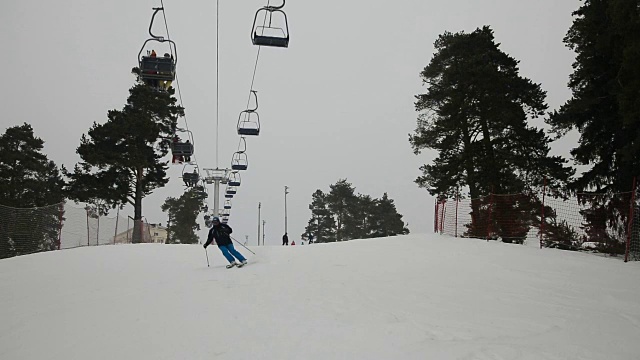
(155, 69)
(201, 191)
(182, 151)
(239, 160)
(228, 196)
(234, 178)
(249, 120)
(231, 190)
(190, 178)
(227, 204)
(270, 35)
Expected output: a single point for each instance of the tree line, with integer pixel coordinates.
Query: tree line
(477, 109)
(341, 215)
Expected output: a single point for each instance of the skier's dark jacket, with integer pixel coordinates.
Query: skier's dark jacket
(221, 233)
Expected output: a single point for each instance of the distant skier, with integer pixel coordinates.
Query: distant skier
(220, 232)
(285, 239)
(293, 243)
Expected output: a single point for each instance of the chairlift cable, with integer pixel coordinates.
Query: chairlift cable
(255, 70)
(217, 80)
(186, 123)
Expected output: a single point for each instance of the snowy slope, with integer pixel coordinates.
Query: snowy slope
(413, 297)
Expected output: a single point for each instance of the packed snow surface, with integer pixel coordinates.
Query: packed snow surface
(410, 297)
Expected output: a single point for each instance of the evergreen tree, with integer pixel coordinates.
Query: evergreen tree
(28, 179)
(321, 226)
(183, 213)
(122, 158)
(606, 85)
(341, 202)
(343, 215)
(605, 110)
(388, 221)
(475, 114)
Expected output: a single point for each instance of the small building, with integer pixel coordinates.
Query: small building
(151, 233)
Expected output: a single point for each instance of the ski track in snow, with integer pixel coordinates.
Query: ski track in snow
(410, 297)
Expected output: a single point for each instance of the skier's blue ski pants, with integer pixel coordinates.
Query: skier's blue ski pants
(230, 252)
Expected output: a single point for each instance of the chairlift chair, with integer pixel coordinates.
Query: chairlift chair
(249, 120)
(184, 149)
(239, 161)
(227, 204)
(190, 178)
(157, 68)
(269, 35)
(234, 178)
(231, 190)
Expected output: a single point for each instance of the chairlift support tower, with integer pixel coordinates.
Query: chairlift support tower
(216, 177)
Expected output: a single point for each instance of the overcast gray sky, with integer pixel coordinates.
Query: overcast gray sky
(337, 104)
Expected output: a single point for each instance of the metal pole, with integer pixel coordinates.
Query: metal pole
(98, 232)
(259, 207)
(116, 232)
(216, 197)
(630, 229)
(87, 225)
(457, 202)
(263, 222)
(542, 220)
(286, 188)
(490, 211)
(60, 225)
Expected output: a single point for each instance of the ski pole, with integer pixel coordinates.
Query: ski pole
(241, 244)
(206, 253)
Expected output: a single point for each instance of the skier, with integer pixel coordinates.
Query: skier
(285, 239)
(220, 232)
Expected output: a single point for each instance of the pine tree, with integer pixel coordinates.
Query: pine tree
(122, 159)
(341, 202)
(606, 87)
(605, 110)
(388, 220)
(321, 226)
(343, 215)
(28, 179)
(183, 213)
(475, 114)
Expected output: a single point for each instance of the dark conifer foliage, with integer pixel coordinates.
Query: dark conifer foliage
(122, 159)
(605, 106)
(605, 110)
(28, 179)
(476, 114)
(342, 215)
(183, 213)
